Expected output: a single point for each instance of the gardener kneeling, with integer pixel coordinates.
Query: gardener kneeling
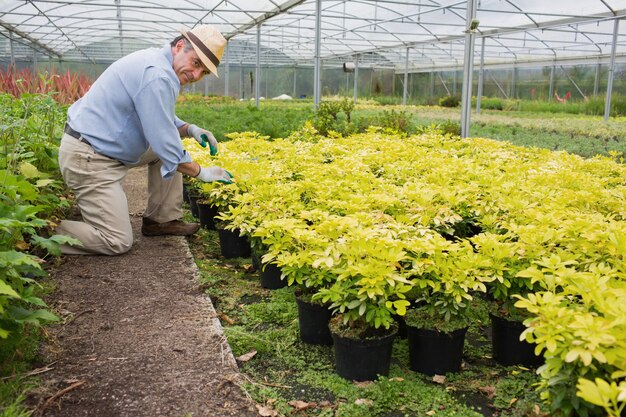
(126, 120)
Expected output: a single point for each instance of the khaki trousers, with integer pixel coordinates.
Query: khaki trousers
(96, 181)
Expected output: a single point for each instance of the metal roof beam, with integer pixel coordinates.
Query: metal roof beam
(30, 39)
(528, 63)
(265, 16)
(490, 33)
(560, 22)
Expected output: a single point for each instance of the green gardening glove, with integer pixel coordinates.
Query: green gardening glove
(203, 137)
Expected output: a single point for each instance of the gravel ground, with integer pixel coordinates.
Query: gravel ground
(138, 337)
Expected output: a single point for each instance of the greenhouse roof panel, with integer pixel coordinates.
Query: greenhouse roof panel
(434, 31)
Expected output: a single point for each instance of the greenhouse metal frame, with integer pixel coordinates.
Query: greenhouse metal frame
(405, 36)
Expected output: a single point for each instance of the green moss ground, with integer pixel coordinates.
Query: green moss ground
(285, 370)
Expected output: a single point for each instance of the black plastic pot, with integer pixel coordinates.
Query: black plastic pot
(255, 256)
(313, 320)
(206, 214)
(432, 352)
(362, 359)
(193, 205)
(401, 325)
(185, 194)
(270, 277)
(507, 349)
(232, 245)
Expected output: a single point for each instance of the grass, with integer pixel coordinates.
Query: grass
(287, 375)
(18, 355)
(275, 119)
(580, 134)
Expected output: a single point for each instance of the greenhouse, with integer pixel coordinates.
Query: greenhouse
(520, 48)
(441, 182)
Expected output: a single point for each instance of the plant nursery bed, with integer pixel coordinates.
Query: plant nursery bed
(288, 377)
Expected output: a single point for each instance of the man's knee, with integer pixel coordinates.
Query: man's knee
(121, 246)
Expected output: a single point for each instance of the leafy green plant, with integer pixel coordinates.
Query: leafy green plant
(31, 197)
(578, 327)
(304, 374)
(334, 116)
(609, 396)
(396, 121)
(438, 218)
(446, 274)
(450, 101)
(489, 103)
(223, 117)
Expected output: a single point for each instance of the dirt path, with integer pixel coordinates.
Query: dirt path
(138, 336)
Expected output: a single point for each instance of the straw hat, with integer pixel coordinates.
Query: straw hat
(208, 43)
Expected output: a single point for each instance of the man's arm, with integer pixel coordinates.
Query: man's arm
(189, 168)
(182, 131)
(208, 174)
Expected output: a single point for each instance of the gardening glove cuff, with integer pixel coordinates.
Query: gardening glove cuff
(212, 174)
(203, 137)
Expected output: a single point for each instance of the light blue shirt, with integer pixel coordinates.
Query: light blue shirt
(131, 107)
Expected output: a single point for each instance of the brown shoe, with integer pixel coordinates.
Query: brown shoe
(175, 227)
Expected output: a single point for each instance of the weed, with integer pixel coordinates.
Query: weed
(515, 392)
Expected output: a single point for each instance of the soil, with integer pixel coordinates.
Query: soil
(137, 337)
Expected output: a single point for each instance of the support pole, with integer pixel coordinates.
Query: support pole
(514, 83)
(468, 66)
(356, 75)
(609, 86)
(596, 81)
(454, 83)
(242, 92)
(120, 33)
(12, 49)
(551, 93)
(406, 78)
(257, 81)
(481, 76)
(294, 80)
(431, 91)
(227, 73)
(318, 42)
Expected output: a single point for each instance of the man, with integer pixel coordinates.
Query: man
(125, 120)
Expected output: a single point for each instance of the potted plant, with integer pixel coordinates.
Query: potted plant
(233, 243)
(369, 288)
(292, 245)
(194, 192)
(262, 214)
(501, 254)
(446, 275)
(204, 206)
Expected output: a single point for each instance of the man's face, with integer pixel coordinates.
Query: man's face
(187, 65)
